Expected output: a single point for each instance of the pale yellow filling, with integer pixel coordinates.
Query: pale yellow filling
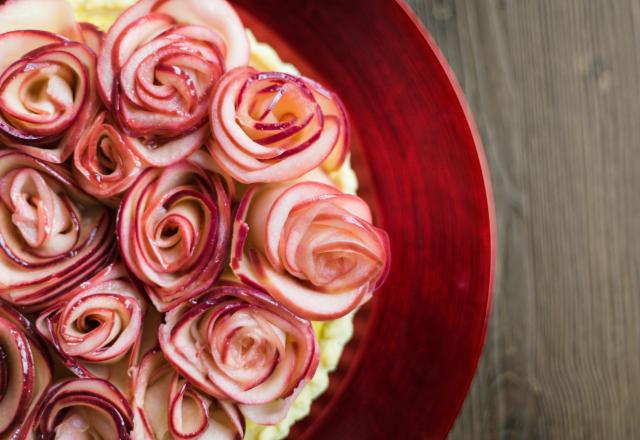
(332, 335)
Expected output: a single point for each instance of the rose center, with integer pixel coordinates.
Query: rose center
(247, 351)
(37, 88)
(169, 231)
(105, 156)
(275, 104)
(331, 266)
(89, 323)
(48, 93)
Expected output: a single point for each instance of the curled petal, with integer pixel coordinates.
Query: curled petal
(98, 330)
(333, 108)
(52, 234)
(311, 247)
(47, 92)
(25, 372)
(157, 68)
(272, 126)
(236, 343)
(104, 161)
(83, 408)
(216, 14)
(174, 225)
(163, 153)
(55, 16)
(165, 404)
(92, 36)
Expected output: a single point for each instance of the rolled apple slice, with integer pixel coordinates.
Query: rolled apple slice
(97, 331)
(269, 127)
(104, 162)
(47, 92)
(82, 408)
(309, 246)
(25, 372)
(55, 16)
(238, 344)
(166, 405)
(52, 234)
(174, 226)
(157, 68)
(333, 108)
(92, 36)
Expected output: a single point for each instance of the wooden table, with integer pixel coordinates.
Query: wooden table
(555, 89)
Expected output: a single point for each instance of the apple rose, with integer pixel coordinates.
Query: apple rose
(309, 246)
(97, 331)
(174, 228)
(165, 405)
(272, 126)
(104, 162)
(25, 372)
(158, 65)
(238, 344)
(47, 82)
(52, 234)
(83, 409)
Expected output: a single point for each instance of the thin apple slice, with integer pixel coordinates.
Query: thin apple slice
(83, 408)
(52, 234)
(105, 163)
(25, 372)
(311, 247)
(236, 343)
(47, 92)
(174, 226)
(166, 404)
(269, 127)
(157, 69)
(92, 36)
(55, 16)
(97, 332)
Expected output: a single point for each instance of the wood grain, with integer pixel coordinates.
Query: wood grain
(555, 88)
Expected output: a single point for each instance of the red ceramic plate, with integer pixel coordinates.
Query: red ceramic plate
(421, 166)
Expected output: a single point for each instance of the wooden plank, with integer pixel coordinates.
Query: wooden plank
(555, 88)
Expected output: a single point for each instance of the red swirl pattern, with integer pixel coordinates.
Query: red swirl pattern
(98, 330)
(109, 199)
(47, 77)
(157, 68)
(104, 162)
(47, 92)
(310, 246)
(52, 234)
(236, 343)
(174, 226)
(272, 126)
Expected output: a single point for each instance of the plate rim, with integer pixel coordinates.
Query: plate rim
(488, 187)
